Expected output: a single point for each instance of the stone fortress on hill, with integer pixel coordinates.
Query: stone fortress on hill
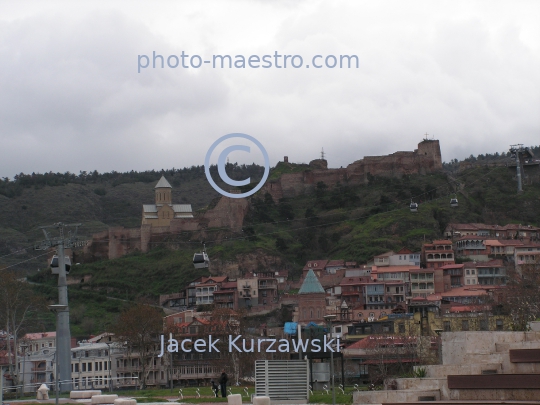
(426, 159)
(164, 218)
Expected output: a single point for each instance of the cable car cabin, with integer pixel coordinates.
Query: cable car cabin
(414, 207)
(453, 202)
(200, 260)
(54, 264)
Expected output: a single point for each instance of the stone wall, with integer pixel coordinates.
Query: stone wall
(229, 213)
(425, 159)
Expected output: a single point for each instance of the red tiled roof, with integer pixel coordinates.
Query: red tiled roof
(386, 254)
(469, 291)
(334, 263)
(404, 250)
(315, 264)
(229, 284)
(452, 266)
(35, 336)
(511, 242)
(441, 242)
(371, 341)
(465, 308)
(393, 269)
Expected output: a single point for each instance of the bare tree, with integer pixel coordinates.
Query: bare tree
(139, 328)
(17, 305)
(523, 294)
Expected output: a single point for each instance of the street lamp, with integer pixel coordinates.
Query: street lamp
(57, 308)
(329, 319)
(109, 351)
(23, 348)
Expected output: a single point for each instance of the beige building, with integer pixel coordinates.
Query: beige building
(163, 211)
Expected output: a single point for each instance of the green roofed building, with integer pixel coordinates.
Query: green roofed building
(311, 300)
(311, 284)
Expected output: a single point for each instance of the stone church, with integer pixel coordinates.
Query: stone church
(163, 211)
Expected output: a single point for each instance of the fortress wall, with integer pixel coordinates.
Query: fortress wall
(229, 212)
(274, 189)
(292, 184)
(329, 177)
(123, 241)
(184, 224)
(146, 233)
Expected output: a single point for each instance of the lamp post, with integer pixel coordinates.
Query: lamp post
(329, 319)
(109, 366)
(57, 309)
(23, 348)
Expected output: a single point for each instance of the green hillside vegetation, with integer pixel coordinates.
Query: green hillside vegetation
(342, 222)
(96, 200)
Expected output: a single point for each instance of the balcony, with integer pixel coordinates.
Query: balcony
(204, 294)
(422, 287)
(223, 298)
(266, 285)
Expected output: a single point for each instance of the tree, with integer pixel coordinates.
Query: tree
(281, 245)
(18, 304)
(139, 328)
(523, 294)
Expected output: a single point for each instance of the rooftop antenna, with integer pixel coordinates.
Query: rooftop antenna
(322, 153)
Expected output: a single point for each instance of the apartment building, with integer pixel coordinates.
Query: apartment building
(437, 254)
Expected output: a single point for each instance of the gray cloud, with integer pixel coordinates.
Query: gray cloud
(71, 97)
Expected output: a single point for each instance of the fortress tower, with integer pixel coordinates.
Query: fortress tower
(431, 149)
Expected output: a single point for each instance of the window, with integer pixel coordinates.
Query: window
(401, 327)
(484, 324)
(89, 366)
(447, 327)
(464, 325)
(499, 324)
(363, 369)
(76, 367)
(467, 272)
(84, 367)
(473, 272)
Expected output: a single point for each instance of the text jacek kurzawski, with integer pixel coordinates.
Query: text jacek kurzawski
(236, 343)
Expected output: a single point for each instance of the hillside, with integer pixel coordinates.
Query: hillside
(95, 200)
(351, 223)
(343, 222)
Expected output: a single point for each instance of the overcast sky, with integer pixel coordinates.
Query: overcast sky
(71, 98)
